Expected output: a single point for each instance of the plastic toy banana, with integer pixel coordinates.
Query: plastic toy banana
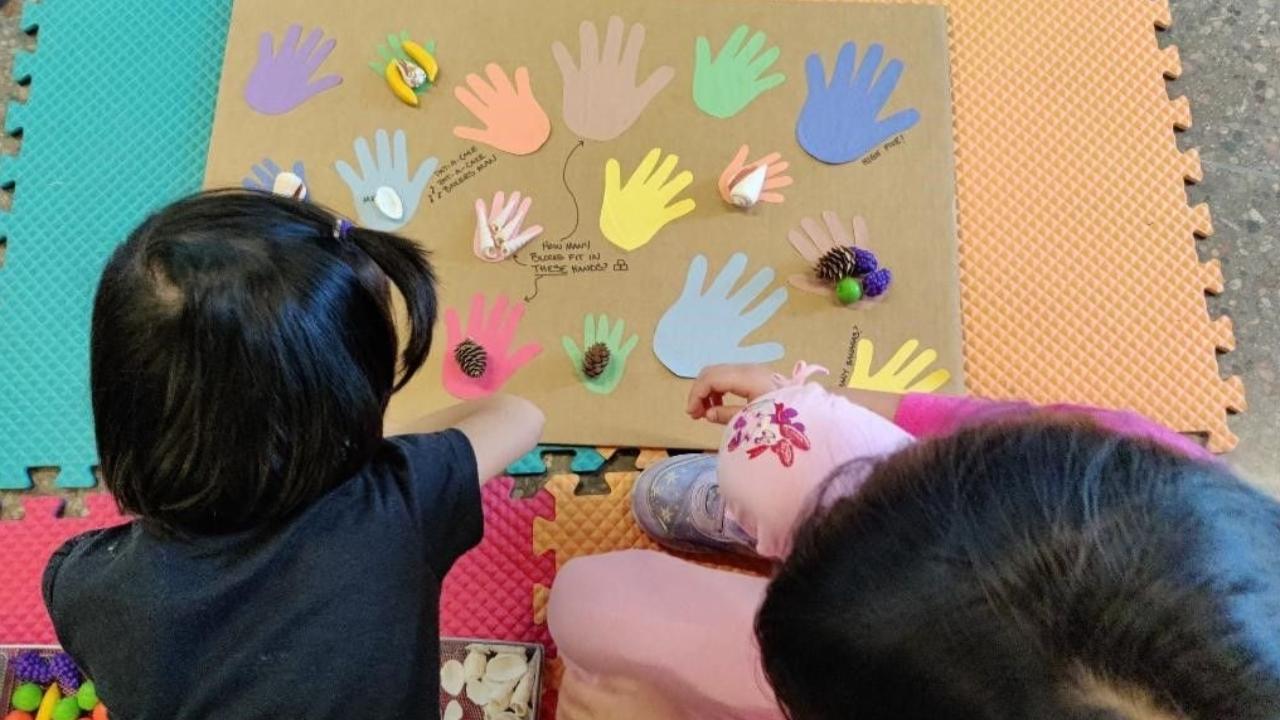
(400, 88)
(422, 58)
(404, 77)
(48, 703)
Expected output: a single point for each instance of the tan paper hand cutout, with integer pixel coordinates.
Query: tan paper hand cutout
(601, 96)
(513, 120)
(812, 241)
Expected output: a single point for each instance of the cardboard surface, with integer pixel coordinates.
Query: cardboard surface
(904, 191)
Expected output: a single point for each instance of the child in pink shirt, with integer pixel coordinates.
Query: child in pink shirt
(676, 639)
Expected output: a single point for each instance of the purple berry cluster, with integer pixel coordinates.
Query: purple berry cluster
(30, 666)
(876, 282)
(65, 672)
(864, 261)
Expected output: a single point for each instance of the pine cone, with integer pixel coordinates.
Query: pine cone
(471, 357)
(595, 360)
(845, 261)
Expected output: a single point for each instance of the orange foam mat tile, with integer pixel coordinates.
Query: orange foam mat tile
(1080, 280)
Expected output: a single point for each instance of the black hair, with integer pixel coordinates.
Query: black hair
(243, 354)
(1010, 571)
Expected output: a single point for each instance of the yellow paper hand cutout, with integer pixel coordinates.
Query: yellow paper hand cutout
(897, 375)
(633, 213)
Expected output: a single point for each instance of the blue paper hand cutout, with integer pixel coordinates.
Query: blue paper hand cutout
(703, 329)
(265, 172)
(838, 122)
(390, 172)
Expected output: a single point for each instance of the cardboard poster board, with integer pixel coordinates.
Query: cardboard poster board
(902, 185)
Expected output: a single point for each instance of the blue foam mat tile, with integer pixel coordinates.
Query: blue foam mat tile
(15, 117)
(96, 157)
(585, 460)
(21, 71)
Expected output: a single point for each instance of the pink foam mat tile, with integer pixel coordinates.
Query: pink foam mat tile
(25, 548)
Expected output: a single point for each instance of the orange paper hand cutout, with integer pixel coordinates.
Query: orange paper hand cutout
(513, 120)
(775, 177)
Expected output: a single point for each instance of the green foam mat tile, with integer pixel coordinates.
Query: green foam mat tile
(116, 124)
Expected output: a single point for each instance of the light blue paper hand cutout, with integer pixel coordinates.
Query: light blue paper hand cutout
(391, 170)
(703, 329)
(838, 122)
(265, 172)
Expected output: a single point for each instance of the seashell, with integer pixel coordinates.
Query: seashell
(289, 185)
(506, 668)
(502, 691)
(745, 190)
(479, 692)
(452, 711)
(413, 76)
(522, 696)
(388, 202)
(493, 711)
(452, 677)
(475, 664)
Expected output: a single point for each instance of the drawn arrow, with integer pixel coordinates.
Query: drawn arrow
(536, 278)
(564, 177)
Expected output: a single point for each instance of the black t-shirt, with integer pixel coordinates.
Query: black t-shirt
(334, 615)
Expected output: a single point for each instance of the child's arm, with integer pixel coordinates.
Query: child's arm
(500, 429)
(714, 384)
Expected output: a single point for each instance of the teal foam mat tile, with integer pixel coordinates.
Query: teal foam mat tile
(585, 460)
(116, 124)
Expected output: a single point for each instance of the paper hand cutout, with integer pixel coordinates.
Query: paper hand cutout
(724, 86)
(774, 179)
(498, 233)
(282, 81)
(838, 122)
(594, 330)
(265, 172)
(391, 170)
(601, 96)
(703, 329)
(897, 376)
(632, 214)
(513, 120)
(494, 332)
(812, 241)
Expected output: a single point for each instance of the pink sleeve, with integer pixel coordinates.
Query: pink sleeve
(933, 415)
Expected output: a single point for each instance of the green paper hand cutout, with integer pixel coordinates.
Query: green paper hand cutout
(724, 86)
(596, 329)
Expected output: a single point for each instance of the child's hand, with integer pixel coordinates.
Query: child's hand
(706, 397)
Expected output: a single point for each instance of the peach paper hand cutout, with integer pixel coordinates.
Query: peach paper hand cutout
(513, 120)
(601, 96)
(776, 176)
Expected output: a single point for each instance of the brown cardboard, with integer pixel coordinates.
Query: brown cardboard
(906, 193)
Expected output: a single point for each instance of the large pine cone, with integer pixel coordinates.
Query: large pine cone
(595, 360)
(472, 358)
(845, 261)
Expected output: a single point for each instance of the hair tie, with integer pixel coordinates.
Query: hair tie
(342, 229)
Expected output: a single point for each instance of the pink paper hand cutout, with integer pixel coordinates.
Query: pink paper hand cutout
(602, 97)
(513, 120)
(281, 81)
(775, 177)
(494, 332)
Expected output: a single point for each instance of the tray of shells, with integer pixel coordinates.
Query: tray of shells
(489, 679)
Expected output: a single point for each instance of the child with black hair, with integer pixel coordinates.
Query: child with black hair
(287, 556)
(937, 558)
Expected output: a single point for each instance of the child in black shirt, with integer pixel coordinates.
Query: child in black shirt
(287, 558)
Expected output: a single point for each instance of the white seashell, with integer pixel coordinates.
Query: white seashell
(289, 185)
(522, 695)
(387, 200)
(745, 191)
(452, 711)
(479, 692)
(502, 692)
(506, 667)
(475, 664)
(413, 76)
(452, 677)
(493, 711)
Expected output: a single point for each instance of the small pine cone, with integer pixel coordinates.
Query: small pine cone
(471, 357)
(838, 262)
(876, 282)
(595, 360)
(31, 666)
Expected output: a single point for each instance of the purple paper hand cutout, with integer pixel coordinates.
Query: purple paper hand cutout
(281, 81)
(838, 122)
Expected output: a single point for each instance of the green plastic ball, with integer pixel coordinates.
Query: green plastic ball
(66, 709)
(87, 696)
(27, 697)
(848, 291)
